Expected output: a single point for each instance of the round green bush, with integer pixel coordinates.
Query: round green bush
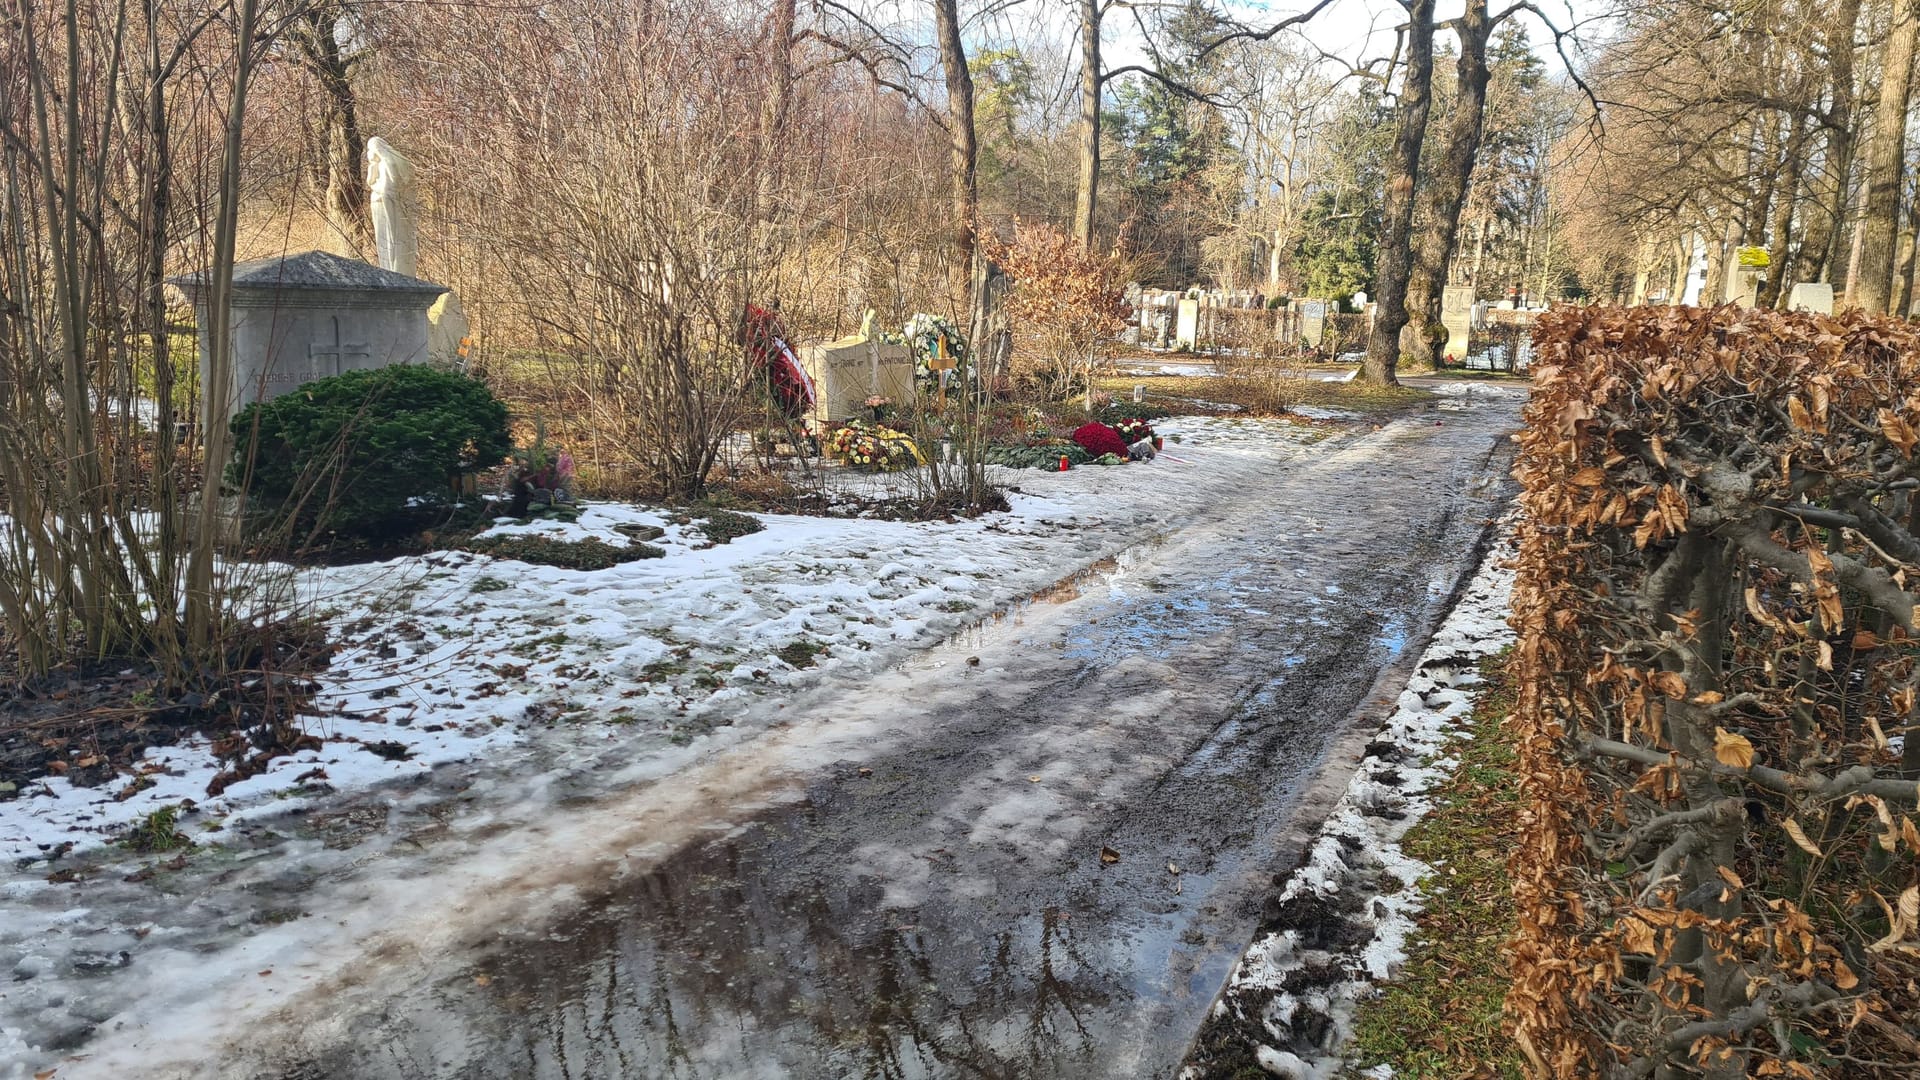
(370, 453)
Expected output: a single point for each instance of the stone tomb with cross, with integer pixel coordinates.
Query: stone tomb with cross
(312, 315)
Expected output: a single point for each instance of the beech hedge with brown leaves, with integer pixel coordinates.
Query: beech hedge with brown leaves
(1717, 662)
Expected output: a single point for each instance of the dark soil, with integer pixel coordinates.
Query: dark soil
(92, 723)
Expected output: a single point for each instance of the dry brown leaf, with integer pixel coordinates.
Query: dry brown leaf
(1109, 856)
(1734, 751)
(1728, 876)
(1636, 937)
(1843, 976)
(1799, 837)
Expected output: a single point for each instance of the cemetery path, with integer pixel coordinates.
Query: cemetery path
(1035, 852)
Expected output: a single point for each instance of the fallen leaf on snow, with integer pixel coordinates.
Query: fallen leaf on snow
(1109, 856)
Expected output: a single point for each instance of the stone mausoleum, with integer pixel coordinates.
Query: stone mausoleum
(311, 315)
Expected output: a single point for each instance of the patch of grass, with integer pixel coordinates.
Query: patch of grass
(1441, 1015)
(1363, 397)
(588, 554)
(158, 831)
(661, 670)
(801, 653)
(490, 584)
(724, 526)
(531, 647)
(1477, 375)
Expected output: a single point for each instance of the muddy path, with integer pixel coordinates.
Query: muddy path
(1034, 852)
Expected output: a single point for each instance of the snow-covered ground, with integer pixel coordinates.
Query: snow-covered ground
(455, 656)
(1355, 873)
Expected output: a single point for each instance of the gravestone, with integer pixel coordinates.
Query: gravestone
(312, 315)
(1313, 322)
(1456, 314)
(847, 372)
(1815, 296)
(1186, 331)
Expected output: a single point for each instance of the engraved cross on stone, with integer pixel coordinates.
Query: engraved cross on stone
(335, 354)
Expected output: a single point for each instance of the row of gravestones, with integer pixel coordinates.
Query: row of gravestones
(1175, 319)
(1167, 319)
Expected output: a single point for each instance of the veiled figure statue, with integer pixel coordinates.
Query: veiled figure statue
(396, 238)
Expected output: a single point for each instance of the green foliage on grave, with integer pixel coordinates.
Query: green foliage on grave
(368, 454)
(724, 526)
(588, 554)
(1038, 454)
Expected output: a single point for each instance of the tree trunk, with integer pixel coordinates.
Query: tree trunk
(1886, 158)
(1395, 260)
(1775, 289)
(1719, 251)
(1902, 302)
(962, 149)
(1449, 188)
(344, 180)
(773, 138)
(1086, 192)
(1903, 295)
(1820, 250)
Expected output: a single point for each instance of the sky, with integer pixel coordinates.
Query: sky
(1356, 30)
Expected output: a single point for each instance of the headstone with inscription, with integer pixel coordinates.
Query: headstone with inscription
(1313, 322)
(312, 315)
(1456, 314)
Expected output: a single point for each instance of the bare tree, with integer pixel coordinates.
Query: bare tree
(1873, 289)
(1395, 264)
(316, 34)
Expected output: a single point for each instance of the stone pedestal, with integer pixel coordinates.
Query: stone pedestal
(312, 315)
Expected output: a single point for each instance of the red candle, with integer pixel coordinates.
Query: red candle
(1064, 463)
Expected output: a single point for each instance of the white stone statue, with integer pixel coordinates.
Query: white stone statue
(396, 235)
